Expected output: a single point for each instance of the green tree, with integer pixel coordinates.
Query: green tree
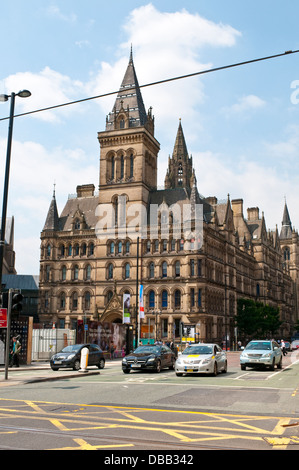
(256, 320)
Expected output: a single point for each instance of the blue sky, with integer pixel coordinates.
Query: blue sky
(241, 125)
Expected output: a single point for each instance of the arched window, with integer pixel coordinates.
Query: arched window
(76, 273)
(177, 299)
(286, 254)
(75, 301)
(88, 272)
(70, 250)
(83, 249)
(62, 300)
(63, 273)
(177, 269)
(122, 167)
(76, 250)
(131, 166)
(109, 295)
(49, 250)
(151, 299)
(152, 270)
(112, 168)
(87, 300)
(127, 247)
(77, 224)
(112, 248)
(164, 269)
(164, 299)
(91, 249)
(110, 271)
(119, 247)
(127, 271)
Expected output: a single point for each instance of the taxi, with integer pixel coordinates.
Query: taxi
(201, 358)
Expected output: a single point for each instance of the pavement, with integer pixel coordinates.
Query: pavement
(41, 372)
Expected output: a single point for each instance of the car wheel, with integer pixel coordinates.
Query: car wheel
(126, 371)
(225, 368)
(243, 367)
(101, 364)
(76, 365)
(158, 366)
(272, 365)
(215, 371)
(179, 374)
(55, 368)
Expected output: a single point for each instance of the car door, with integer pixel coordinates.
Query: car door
(219, 357)
(277, 352)
(165, 357)
(93, 355)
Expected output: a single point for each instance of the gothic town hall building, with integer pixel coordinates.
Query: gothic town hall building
(89, 260)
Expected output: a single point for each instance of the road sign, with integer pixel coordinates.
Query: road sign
(3, 317)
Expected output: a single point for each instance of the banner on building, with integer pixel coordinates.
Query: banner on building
(141, 305)
(126, 308)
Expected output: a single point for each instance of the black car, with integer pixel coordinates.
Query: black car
(70, 356)
(150, 357)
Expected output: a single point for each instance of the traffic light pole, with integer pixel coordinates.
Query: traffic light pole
(10, 294)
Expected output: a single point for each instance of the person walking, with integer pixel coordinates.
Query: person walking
(16, 349)
(283, 347)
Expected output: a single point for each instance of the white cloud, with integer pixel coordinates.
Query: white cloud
(48, 88)
(55, 12)
(244, 104)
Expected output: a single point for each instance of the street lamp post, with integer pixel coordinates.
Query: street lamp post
(3, 98)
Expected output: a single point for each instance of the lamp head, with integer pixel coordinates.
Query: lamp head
(3, 98)
(24, 94)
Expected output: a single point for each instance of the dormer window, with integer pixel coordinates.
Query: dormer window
(77, 224)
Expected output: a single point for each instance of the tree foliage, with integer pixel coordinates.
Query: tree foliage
(256, 320)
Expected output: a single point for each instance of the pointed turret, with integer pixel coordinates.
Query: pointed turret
(286, 229)
(180, 171)
(52, 221)
(128, 110)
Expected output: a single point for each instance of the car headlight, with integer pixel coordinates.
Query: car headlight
(243, 356)
(151, 359)
(179, 361)
(71, 356)
(267, 355)
(207, 360)
(124, 360)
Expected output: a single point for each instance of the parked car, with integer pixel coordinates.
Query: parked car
(70, 356)
(201, 358)
(261, 353)
(295, 345)
(287, 345)
(149, 357)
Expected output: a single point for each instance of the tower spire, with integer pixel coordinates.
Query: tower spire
(129, 106)
(180, 170)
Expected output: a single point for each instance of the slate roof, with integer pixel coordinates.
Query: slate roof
(20, 281)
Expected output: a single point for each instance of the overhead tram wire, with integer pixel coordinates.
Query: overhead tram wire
(159, 82)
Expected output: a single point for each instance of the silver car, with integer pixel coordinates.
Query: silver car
(201, 358)
(261, 353)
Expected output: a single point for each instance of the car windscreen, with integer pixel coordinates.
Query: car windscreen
(198, 350)
(147, 350)
(264, 345)
(72, 348)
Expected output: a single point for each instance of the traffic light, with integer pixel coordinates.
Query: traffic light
(4, 300)
(17, 302)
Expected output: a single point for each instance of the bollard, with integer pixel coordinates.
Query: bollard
(84, 360)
